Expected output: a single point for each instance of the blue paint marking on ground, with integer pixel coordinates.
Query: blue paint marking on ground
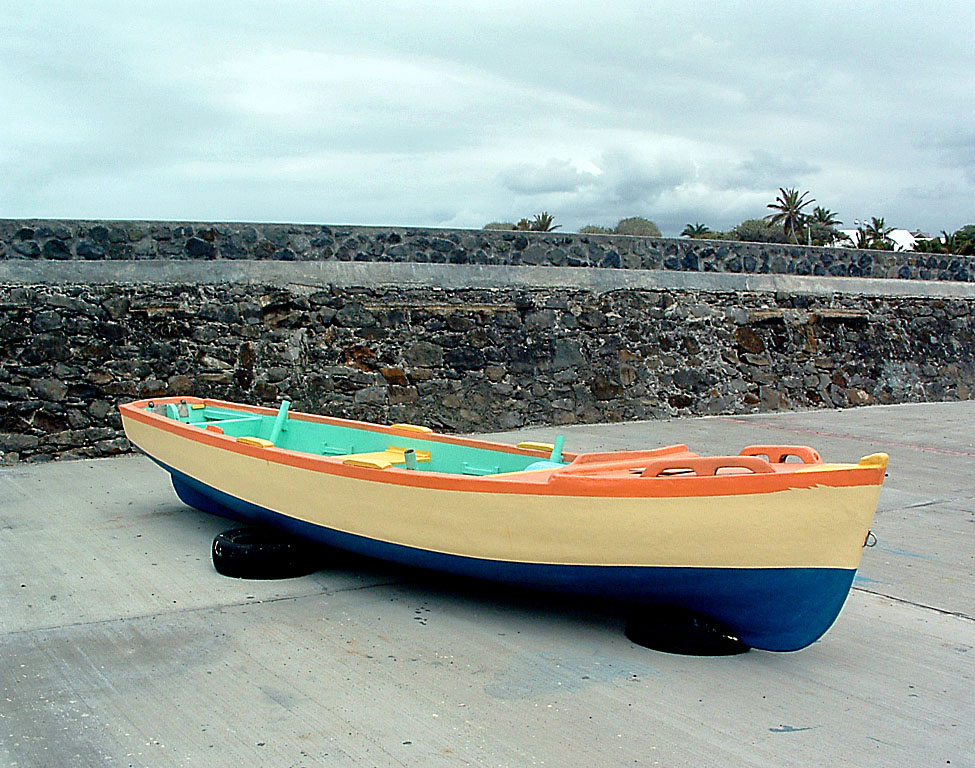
(905, 553)
(858, 579)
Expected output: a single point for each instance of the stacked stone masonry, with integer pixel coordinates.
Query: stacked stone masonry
(458, 360)
(99, 240)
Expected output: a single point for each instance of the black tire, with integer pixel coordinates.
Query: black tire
(262, 553)
(674, 630)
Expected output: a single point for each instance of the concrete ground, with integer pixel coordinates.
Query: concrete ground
(120, 645)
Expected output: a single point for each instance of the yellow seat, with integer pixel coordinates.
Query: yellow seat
(392, 456)
(531, 445)
(258, 442)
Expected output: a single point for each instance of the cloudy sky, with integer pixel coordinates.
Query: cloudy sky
(460, 113)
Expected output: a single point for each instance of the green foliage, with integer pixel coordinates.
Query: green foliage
(500, 225)
(637, 225)
(877, 229)
(543, 222)
(788, 211)
(964, 240)
(874, 236)
(540, 222)
(877, 235)
(696, 231)
(966, 233)
(825, 217)
(759, 231)
(961, 242)
(818, 233)
(593, 229)
(842, 240)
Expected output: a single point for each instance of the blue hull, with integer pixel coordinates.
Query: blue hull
(775, 609)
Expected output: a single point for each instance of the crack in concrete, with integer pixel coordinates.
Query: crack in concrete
(943, 611)
(197, 609)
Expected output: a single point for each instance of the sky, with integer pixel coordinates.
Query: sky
(455, 114)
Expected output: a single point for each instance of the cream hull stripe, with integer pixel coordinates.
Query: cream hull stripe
(821, 527)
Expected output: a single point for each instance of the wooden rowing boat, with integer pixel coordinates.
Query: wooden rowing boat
(765, 543)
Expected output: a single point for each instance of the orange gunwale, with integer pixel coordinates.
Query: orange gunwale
(615, 482)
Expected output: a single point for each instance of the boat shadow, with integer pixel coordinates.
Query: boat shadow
(427, 586)
(667, 629)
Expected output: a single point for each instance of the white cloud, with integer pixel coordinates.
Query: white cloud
(552, 176)
(461, 113)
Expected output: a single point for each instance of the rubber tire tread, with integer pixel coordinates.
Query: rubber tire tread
(262, 553)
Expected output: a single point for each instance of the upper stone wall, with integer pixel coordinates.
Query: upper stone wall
(139, 240)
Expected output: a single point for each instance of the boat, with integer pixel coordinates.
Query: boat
(765, 543)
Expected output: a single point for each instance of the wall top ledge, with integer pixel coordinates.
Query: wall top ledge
(456, 277)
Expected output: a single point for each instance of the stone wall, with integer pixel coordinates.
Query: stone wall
(105, 240)
(458, 359)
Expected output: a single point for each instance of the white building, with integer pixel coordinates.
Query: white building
(904, 240)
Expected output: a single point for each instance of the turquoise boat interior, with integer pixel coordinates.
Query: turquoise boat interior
(361, 446)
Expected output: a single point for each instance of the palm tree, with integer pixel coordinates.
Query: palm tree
(543, 222)
(789, 205)
(877, 233)
(821, 227)
(950, 243)
(695, 230)
(842, 238)
(825, 217)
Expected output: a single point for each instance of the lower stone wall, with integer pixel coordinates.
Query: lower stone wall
(462, 359)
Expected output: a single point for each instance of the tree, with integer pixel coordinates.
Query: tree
(500, 225)
(878, 234)
(788, 206)
(966, 240)
(967, 233)
(961, 242)
(759, 231)
(949, 243)
(637, 225)
(825, 217)
(843, 240)
(544, 222)
(863, 239)
(696, 231)
(821, 227)
(540, 222)
(593, 229)
(874, 236)
(820, 234)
